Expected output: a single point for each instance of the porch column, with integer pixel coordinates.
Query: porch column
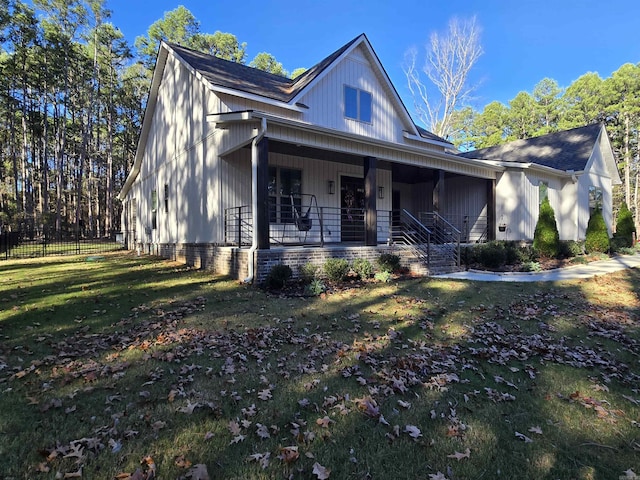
(491, 210)
(438, 191)
(261, 195)
(370, 207)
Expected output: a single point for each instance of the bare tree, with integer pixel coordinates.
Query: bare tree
(449, 60)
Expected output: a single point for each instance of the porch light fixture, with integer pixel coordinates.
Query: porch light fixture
(331, 187)
(380, 192)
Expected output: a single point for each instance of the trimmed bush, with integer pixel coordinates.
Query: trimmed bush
(336, 269)
(571, 248)
(625, 228)
(362, 267)
(278, 276)
(546, 239)
(597, 237)
(308, 272)
(383, 276)
(388, 262)
(491, 255)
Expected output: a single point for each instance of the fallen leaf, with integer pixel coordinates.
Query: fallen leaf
(437, 476)
(198, 472)
(404, 404)
(289, 454)
(459, 456)
(262, 431)
(261, 458)
(536, 429)
(321, 472)
(182, 462)
(522, 436)
(237, 439)
(324, 422)
(413, 431)
(76, 474)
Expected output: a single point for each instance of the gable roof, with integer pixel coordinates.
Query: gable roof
(240, 78)
(224, 73)
(566, 150)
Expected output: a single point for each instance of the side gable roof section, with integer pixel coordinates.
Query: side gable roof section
(568, 151)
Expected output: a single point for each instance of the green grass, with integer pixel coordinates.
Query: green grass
(104, 363)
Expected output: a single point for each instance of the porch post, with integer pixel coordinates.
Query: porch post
(438, 191)
(370, 195)
(261, 196)
(491, 210)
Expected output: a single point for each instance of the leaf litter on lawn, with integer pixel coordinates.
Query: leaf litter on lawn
(350, 366)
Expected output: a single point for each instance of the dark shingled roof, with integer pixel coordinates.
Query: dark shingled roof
(225, 73)
(567, 150)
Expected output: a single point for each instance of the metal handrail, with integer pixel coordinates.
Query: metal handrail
(444, 233)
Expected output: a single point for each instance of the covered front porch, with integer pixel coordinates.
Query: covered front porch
(286, 187)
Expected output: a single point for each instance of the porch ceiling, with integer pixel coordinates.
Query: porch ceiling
(401, 173)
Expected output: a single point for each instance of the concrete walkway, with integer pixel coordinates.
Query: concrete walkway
(568, 273)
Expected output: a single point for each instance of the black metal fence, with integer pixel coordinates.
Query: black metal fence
(31, 243)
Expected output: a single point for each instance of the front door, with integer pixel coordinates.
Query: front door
(352, 209)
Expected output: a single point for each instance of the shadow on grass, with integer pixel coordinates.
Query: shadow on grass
(438, 345)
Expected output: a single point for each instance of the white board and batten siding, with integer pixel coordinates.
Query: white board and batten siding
(326, 100)
(180, 153)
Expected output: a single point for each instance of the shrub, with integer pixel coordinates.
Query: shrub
(278, 276)
(388, 262)
(383, 276)
(362, 267)
(546, 239)
(315, 288)
(570, 249)
(336, 269)
(531, 267)
(308, 272)
(526, 253)
(491, 254)
(597, 237)
(625, 228)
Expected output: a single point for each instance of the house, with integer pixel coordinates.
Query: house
(237, 169)
(575, 169)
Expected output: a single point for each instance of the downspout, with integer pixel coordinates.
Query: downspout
(254, 199)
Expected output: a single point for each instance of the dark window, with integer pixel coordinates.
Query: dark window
(285, 188)
(543, 192)
(595, 199)
(154, 209)
(357, 104)
(166, 198)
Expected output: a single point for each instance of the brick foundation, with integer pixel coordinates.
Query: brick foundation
(234, 261)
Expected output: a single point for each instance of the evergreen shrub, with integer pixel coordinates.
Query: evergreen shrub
(546, 239)
(597, 237)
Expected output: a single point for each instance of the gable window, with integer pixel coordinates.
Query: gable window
(285, 189)
(595, 199)
(154, 209)
(357, 104)
(543, 192)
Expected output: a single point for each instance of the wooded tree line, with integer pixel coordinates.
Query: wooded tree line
(73, 92)
(614, 100)
(72, 97)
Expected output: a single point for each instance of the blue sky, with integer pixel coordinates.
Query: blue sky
(523, 40)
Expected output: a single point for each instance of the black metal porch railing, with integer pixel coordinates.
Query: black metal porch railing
(238, 226)
(472, 229)
(408, 230)
(444, 234)
(45, 242)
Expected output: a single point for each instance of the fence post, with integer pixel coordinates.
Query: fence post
(239, 227)
(77, 240)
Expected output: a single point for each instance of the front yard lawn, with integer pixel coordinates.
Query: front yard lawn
(134, 367)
